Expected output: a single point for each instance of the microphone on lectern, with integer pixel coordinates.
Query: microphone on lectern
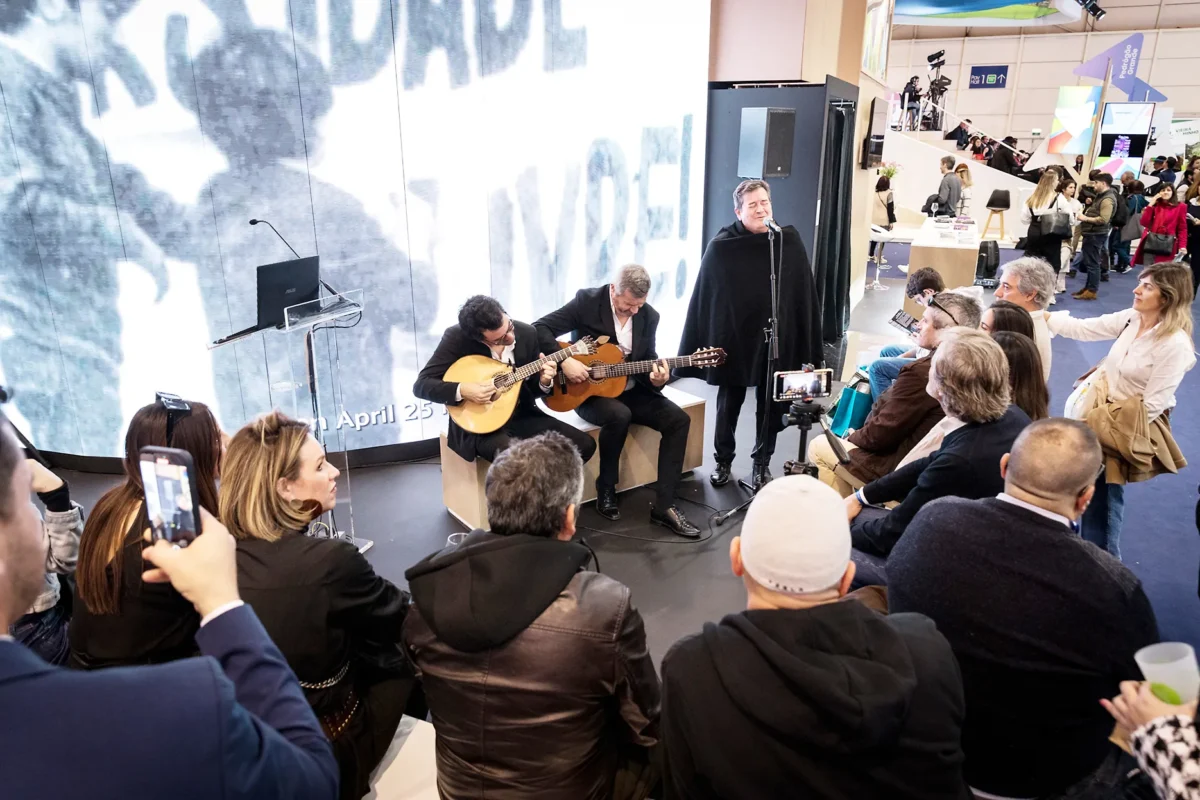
(770, 223)
(277, 233)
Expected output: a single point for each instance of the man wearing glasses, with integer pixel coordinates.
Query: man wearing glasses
(906, 415)
(484, 329)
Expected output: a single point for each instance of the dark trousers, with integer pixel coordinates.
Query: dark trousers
(45, 633)
(729, 406)
(1095, 258)
(1048, 248)
(526, 423)
(640, 406)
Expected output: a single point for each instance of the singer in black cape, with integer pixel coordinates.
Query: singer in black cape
(730, 307)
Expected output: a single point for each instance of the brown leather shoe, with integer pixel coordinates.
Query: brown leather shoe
(1084, 294)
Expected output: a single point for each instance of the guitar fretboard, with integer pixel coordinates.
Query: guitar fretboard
(534, 367)
(639, 367)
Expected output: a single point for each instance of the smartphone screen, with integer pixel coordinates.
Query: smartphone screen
(798, 385)
(905, 322)
(169, 481)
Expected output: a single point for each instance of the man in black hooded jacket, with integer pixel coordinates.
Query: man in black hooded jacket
(809, 693)
(536, 671)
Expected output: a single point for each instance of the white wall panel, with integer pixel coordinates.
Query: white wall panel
(1057, 48)
(992, 50)
(1180, 15)
(1175, 72)
(1046, 76)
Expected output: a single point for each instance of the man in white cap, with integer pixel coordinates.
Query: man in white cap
(809, 692)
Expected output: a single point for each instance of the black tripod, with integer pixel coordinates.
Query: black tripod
(802, 414)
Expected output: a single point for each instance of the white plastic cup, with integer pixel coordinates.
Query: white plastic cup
(1172, 664)
(455, 539)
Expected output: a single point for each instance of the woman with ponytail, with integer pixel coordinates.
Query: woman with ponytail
(336, 621)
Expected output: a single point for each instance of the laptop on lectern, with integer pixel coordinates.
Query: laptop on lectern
(281, 285)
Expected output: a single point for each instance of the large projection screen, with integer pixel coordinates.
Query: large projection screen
(426, 151)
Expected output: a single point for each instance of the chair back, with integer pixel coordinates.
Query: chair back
(1000, 200)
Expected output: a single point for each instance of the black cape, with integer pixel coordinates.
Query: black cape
(731, 304)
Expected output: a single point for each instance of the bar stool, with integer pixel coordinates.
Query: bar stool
(997, 204)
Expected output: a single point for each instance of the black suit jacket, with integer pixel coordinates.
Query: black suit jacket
(454, 345)
(590, 314)
(234, 724)
(967, 465)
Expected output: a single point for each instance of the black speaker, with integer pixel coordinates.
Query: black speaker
(987, 264)
(765, 145)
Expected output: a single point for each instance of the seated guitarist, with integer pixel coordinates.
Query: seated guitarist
(613, 311)
(484, 329)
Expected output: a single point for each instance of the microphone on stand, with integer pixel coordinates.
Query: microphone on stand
(328, 288)
(277, 233)
(770, 223)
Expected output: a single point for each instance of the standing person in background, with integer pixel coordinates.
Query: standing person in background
(1079, 166)
(1045, 201)
(43, 627)
(1164, 217)
(964, 177)
(1192, 207)
(1152, 352)
(949, 193)
(1067, 189)
(912, 103)
(335, 620)
(1135, 202)
(883, 214)
(1096, 224)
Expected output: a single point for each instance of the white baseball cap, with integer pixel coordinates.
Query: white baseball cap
(796, 536)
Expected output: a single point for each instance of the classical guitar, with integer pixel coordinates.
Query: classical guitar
(488, 417)
(609, 373)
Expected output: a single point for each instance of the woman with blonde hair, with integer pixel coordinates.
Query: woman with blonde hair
(1152, 352)
(118, 620)
(336, 621)
(1045, 201)
(964, 177)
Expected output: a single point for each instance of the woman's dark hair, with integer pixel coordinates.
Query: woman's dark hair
(1171, 201)
(480, 313)
(1008, 316)
(1172, 163)
(1137, 187)
(883, 184)
(1025, 376)
(105, 533)
(1064, 183)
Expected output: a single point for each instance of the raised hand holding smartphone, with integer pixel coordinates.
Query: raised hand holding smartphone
(169, 484)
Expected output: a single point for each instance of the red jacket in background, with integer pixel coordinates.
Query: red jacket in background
(1163, 219)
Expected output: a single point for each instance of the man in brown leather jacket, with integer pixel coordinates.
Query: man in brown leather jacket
(905, 413)
(536, 671)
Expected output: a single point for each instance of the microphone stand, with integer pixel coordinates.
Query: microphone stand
(771, 334)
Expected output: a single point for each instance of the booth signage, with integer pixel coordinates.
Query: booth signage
(989, 77)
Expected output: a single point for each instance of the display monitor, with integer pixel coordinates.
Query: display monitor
(1132, 118)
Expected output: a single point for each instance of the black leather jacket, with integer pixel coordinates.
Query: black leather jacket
(536, 672)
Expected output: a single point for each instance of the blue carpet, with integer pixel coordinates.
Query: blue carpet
(1160, 542)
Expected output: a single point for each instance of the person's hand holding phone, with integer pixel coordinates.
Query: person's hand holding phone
(205, 572)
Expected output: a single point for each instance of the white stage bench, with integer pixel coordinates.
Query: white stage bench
(463, 481)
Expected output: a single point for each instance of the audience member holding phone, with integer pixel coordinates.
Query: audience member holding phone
(231, 725)
(336, 621)
(119, 619)
(43, 627)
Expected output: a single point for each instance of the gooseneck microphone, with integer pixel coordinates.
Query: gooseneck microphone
(277, 233)
(328, 288)
(770, 223)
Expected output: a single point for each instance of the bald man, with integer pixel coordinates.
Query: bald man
(1043, 623)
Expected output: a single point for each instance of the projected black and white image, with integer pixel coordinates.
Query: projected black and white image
(424, 151)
